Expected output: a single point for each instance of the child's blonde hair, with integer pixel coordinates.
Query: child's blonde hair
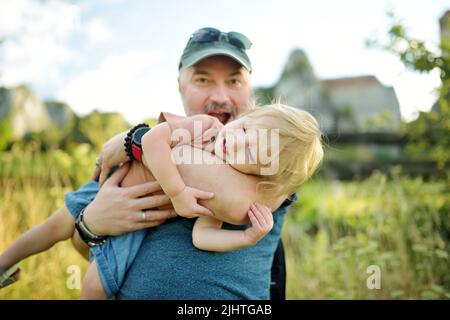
(300, 147)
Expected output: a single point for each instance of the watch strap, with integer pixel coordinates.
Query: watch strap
(133, 147)
(90, 238)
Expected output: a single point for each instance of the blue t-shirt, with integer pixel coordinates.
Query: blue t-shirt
(168, 266)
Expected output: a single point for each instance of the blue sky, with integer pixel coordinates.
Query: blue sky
(122, 55)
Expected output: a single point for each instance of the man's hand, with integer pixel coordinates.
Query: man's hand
(112, 154)
(262, 222)
(185, 203)
(117, 210)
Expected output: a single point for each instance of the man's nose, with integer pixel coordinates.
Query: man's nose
(220, 95)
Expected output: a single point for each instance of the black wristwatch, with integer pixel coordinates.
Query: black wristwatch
(90, 238)
(133, 145)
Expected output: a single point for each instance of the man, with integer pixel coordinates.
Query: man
(214, 78)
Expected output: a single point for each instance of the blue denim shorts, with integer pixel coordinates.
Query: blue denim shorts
(115, 256)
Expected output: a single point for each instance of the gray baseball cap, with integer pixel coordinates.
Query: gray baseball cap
(207, 42)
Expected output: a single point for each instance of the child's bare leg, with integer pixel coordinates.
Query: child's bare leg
(58, 227)
(137, 174)
(92, 286)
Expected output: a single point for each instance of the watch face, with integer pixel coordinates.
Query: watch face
(138, 134)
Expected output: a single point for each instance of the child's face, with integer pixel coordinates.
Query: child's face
(238, 145)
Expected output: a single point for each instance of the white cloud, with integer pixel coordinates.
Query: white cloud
(36, 36)
(11, 16)
(124, 83)
(33, 60)
(97, 31)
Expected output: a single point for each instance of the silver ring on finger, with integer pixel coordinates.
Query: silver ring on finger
(97, 162)
(144, 216)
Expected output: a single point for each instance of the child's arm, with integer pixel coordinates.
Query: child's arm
(157, 157)
(208, 235)
(60, 226)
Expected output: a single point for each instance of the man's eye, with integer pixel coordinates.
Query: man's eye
(235, 82)
(201, 81)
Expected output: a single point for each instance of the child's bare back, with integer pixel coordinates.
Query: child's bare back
(227, 204)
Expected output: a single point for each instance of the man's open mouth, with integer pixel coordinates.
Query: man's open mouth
(223, 116)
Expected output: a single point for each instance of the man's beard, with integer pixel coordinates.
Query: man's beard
(224, 112)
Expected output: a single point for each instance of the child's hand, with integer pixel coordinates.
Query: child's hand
(262, 222)
(185, 203)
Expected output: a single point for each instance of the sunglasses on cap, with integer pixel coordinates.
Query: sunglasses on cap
(237, 39)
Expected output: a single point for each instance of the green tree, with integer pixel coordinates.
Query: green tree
(429, 134)
(96, 127)
(6, 133)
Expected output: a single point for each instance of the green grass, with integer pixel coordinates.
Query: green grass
(33, 186)
(332, 234)
(338, 229)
